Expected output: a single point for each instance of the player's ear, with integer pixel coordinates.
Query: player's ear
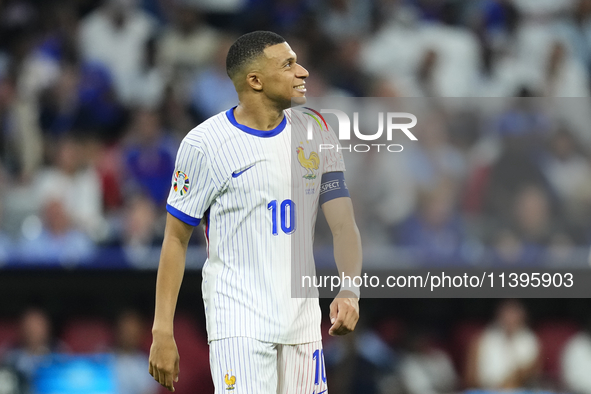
(253, 79)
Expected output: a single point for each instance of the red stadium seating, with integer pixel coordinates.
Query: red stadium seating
(391, 330)
(553, 336)
(8, 334)
(88, 335)
(463, 335)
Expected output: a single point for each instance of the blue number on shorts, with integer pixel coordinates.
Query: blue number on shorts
(287, 229)
(318, 356)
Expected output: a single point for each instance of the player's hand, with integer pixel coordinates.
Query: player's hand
(164, 360)
(344, 313)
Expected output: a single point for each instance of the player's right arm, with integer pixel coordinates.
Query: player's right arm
(164, 356)
(194, 187)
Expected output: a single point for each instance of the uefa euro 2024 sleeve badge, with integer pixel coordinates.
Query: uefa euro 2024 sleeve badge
(180, 183)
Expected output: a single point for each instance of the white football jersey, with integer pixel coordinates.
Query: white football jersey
(258, 192)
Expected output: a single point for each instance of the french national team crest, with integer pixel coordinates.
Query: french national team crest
(180, 183)
(230, 380)
(311, 163)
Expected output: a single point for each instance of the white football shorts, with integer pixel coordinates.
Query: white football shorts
(242, 365)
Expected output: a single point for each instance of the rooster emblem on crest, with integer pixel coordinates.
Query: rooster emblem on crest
(310, 164)
(230, 380)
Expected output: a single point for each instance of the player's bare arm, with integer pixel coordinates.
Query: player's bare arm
(164, 356)
(344, 310)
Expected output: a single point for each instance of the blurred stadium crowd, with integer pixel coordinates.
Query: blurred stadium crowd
(96, 95)
(507, 351)
(490, 182)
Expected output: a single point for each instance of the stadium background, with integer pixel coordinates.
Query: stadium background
(95, 97)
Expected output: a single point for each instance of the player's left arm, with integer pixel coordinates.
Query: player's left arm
(344, 310)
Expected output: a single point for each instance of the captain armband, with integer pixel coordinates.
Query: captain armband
(333, 186)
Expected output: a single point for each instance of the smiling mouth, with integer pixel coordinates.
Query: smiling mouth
(300, 88)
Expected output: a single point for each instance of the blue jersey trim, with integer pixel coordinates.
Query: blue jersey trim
(333, 186)
(258, 133)
(183, 217)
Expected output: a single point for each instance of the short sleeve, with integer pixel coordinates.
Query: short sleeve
(193, 188)
(333, 157)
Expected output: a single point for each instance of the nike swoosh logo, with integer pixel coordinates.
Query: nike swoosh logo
(321, 392)
(236, 174)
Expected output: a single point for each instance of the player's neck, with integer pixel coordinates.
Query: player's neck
(258, 116)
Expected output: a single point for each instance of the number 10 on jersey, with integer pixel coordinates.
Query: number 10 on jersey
(287, 215)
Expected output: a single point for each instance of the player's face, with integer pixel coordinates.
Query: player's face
(283, 76)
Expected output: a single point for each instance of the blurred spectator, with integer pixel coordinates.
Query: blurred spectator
(519, 162)
(5, 241)
(502, 75)
(496, 21)
(116, 35)
(283, 16)
(75, 183)
(41, 66)
(577, 32)
(423, 83)
(20, 136)
(212, 91)
(425, 59)
(187, 46)
(140, 242)
(107, 159)
(576, 362)
(425, 369)
(35, 341)
(535, 9)
(454, 59)
(531, 230)
(401, 35)
(60, 101)
(502, 72)
(149, 157)
(569, 174)
(148, 87)
(506, 355)
(345, 19)
(436, 232)
(381, 205)
(346, 72)
(220, 7)
(11, 382)
(564, 76)
(82, 100)
(536, 31)
(131, 360)
(434, 159)
(509, 249)
(533, 216)
(359, 362)
(176, 116)
(55, 240)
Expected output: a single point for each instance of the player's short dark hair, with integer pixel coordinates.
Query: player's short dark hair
(249, 47)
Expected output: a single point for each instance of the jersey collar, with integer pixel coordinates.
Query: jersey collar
(255, 132)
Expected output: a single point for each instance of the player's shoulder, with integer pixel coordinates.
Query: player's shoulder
(295, 116)
(210, 132)
(304, 120)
